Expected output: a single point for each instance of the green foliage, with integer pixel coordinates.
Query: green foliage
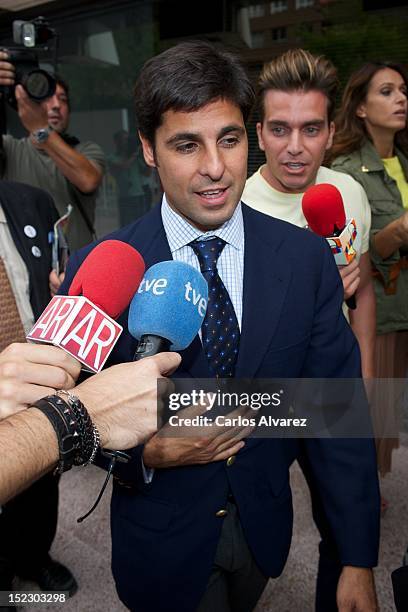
(351, 37)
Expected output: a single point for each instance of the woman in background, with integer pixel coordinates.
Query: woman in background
(371, 144)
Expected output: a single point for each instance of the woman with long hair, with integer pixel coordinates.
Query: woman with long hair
(371, 144)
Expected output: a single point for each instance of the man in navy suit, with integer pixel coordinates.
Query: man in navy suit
(200, 524)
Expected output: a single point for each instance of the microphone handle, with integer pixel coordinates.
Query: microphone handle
(351, 302)
(150, 344)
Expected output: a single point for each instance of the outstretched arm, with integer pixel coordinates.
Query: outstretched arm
(122, 402)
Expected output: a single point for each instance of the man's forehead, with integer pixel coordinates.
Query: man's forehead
(300, 106)
(213, 117)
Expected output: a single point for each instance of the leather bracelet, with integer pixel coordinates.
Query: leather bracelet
(78, 438)
(67, 436)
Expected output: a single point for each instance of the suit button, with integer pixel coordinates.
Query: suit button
(221, 513)
(231, 461)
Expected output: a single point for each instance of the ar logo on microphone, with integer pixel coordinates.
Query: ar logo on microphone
(80, 328)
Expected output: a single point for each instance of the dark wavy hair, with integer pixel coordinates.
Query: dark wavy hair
(186, 77)
(350, 129)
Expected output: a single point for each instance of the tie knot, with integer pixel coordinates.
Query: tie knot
(208, 252)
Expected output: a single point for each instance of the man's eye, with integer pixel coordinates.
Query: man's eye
(188, 147)
(229, 141)
(278, 131)
(312, 130)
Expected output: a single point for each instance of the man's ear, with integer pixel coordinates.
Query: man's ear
(259, 134)
(148, 151)
(332, 129)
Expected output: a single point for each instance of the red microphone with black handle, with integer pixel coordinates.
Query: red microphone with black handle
(324, 212)
(83, 323)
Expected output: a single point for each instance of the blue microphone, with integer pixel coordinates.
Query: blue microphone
(168, 308)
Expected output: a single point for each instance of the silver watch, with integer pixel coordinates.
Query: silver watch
(40, 136)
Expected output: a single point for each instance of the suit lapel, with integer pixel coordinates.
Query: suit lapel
(148, 237)
(266, 278)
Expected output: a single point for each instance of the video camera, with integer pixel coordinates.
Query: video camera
(31, 36)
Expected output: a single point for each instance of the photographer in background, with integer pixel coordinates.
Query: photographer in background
(51, 159)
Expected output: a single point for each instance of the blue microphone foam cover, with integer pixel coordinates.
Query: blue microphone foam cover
(171, 303)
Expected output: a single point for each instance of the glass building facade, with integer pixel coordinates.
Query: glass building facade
(103, 44)
(101, 48)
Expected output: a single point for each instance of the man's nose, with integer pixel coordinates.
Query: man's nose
(295, 144)
(212, 164)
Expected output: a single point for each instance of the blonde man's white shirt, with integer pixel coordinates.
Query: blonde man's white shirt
(261, 196)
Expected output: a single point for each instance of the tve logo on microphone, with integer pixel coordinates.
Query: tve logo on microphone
(157, 286)
(170, 303)
(80, 328)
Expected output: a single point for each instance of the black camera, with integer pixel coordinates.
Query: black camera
(30, 36)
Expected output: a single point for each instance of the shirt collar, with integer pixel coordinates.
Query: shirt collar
(180, 232)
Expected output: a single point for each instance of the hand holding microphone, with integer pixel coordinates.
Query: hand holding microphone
(82, 323)
(78, 326)
(29, 372)
(123, 399)
(324, 212)
(350, 275)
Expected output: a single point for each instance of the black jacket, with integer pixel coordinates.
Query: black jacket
(25, 206)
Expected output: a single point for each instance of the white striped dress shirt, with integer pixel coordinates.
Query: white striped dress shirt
(230, 264)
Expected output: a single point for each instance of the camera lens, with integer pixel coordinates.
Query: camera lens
(39, 84)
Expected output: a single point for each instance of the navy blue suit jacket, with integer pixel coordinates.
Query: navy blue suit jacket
(165, 534)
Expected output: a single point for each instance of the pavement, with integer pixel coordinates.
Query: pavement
(85, 548)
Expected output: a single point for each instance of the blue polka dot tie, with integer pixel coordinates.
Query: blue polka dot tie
(220, 330)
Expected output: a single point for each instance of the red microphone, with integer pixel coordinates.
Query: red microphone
(324, 212)
(323, 209)
(82, 323)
